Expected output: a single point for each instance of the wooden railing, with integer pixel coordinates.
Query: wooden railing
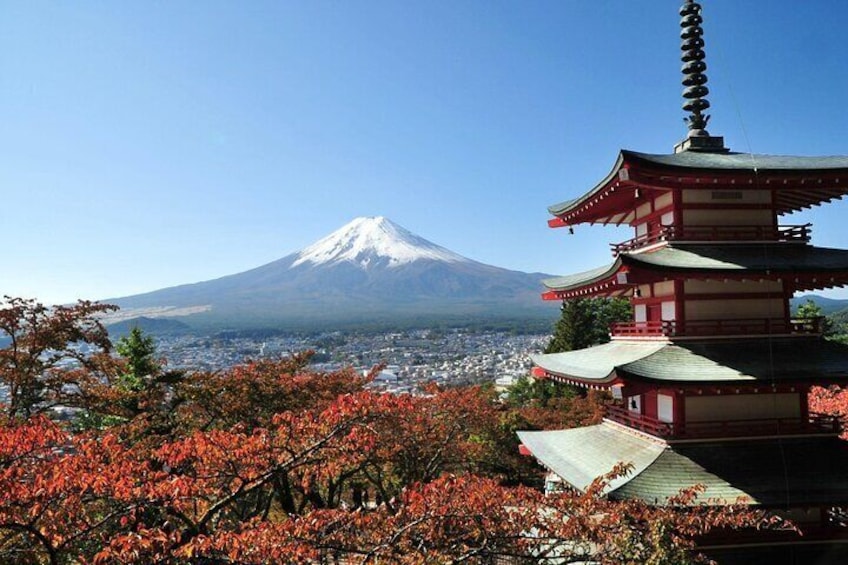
(814, 424)
(719, 328)
(653, 426)
(789, 233)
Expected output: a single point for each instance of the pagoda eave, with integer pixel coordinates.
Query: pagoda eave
(796, 182)
(808, 268)
(752, 362)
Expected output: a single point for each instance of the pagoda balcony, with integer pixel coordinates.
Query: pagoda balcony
(717, 328)
(787, 233)
(815, 424)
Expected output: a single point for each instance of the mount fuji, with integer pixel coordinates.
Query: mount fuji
(370, 271)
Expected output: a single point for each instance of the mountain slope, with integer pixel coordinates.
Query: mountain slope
(370, 270)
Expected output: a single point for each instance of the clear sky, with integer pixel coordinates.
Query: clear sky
(152, 143)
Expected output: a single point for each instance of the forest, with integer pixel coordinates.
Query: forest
(108, 456)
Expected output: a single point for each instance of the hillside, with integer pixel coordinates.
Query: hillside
(370, 271)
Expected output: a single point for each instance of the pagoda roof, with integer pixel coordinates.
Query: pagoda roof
(770, 471)
(759, 360)
(716, 259)
(730, 161)
(799, 181)
(580, 455)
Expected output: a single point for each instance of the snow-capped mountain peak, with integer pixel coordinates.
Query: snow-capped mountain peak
(370, 240)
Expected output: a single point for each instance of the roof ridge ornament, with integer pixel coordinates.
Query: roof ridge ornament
(695, 81)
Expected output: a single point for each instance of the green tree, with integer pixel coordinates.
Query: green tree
(531, 391)
(137, 385)
(809, 310)
(138, 350)
(586, 321)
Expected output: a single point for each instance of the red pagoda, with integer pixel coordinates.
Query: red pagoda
(710, 380)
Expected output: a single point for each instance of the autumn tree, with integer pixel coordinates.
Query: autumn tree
(138, 391)
(214, 495)
(547, 404)
(833, 401)
(49, 352)
(275, 462)
(472, 519)
(250, 394)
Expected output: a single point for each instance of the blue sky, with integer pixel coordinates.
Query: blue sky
(149, 144)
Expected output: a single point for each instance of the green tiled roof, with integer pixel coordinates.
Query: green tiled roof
(719, 259)
(772, 471)
(751, 360)
(731, 257)
(579, 279)
(580, 455)
(740, 161)
(762, 360)
(716, 162)
(597, 363)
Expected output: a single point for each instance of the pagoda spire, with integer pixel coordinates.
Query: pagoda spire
(695, 81)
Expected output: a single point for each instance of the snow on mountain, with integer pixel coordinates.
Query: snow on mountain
(367, 241)
(370, 271)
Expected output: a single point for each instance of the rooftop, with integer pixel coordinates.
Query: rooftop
(798, 181)
(773, 472)
(827, 267)
(754, 360)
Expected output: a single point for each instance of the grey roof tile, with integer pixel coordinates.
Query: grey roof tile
(773, 471)
(741, 161)
(718, 258)
(751, 360)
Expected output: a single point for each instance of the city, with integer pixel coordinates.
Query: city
(409, 358)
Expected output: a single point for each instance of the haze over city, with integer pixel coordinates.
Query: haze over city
(148, 145)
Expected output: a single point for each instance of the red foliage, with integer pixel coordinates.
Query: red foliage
(271, 462)
(832, 401)
(43, 360)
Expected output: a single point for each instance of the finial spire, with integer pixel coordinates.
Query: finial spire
(695, 81)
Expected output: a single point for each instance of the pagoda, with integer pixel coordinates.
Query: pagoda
(710, 379)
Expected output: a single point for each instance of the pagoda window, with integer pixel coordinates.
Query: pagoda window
(634, 404)
(665, 408)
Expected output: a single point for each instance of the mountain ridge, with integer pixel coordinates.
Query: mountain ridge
(370, 270)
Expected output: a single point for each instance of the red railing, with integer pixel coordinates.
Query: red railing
(718, 328)
(815, 424)
(653, 426)
(791, 233)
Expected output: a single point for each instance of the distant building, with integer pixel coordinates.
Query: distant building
(711, 378)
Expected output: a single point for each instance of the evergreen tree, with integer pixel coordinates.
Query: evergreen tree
(138, 351)
(586, 321)
(809, 310)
